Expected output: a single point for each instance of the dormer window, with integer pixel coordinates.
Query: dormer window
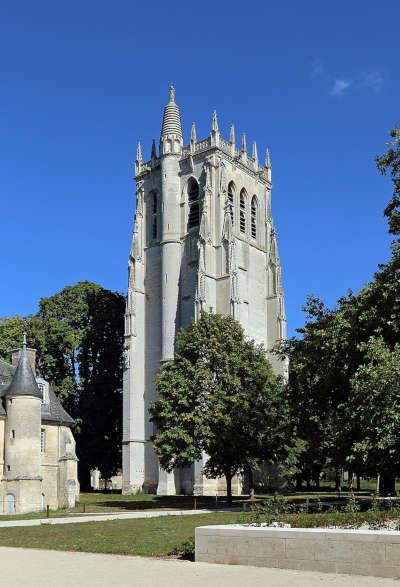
(194, 204)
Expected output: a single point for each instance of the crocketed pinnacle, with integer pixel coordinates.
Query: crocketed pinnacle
(23, 381)
(171, 123)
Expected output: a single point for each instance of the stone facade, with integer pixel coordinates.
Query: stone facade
(203, 240)
(38, 465)
(355, 552)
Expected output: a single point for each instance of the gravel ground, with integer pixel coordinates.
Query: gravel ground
(43, 568)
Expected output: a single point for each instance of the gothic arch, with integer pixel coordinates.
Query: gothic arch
(243, 211)
(254, 217)
(152, 216)
(231, 200)
(193, 198)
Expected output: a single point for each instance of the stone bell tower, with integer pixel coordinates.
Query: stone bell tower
(203, 240)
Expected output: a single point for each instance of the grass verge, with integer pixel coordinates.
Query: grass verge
(158, 537)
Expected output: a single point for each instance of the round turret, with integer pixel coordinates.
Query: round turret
(23, 428)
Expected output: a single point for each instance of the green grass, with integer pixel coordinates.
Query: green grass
(148, 537)
(153, 536)
(106, 503)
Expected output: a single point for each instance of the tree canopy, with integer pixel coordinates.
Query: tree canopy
(78, 334)
(219, 396)
(328, 362)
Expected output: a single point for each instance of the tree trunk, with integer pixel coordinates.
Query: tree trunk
(299, 482)
(228, 477)
(388, 483)
(316, 477)
(251, 481)
(338, 480)
(358, 482)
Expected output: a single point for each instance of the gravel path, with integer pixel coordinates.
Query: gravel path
(106, 517)
(43, 568)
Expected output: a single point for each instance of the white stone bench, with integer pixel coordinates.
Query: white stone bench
(358, 552)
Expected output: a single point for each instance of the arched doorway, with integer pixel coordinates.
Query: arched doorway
(10, 503)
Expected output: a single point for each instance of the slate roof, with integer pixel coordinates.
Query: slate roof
(23, 381)
(51, 412)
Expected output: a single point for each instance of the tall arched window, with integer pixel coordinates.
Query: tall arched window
(254, 207)
(231, 200)
(242, 211)
(194, 203)
(154, 214)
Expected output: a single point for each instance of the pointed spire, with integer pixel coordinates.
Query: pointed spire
(232, 140)
(244, 144)
(214, 129)
(215, 122)
(153, 150)
(255, 156)
(139, 152)
(267, 160)
(171, 123)
(139, 160)
(23, 381)
(232, 135)
(193, 133)
(268, 165)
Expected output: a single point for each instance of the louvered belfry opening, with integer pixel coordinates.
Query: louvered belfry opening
(194, 204)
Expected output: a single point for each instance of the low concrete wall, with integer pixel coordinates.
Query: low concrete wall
(358, 552)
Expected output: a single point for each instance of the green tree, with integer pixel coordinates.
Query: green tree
(219, 396)
(389, 162)
(78, 334)
(324, 360)
(83, 357)
(375, 406)
(11, 333)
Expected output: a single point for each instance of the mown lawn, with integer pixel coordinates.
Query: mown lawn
(148, 537)
(154, 536)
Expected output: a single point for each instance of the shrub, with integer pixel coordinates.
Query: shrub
(184, 550)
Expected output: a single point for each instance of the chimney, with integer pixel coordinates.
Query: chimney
(31, 355)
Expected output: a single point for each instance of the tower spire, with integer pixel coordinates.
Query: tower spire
(23, 381)
(243, 151)
(139, 160)
(232, 139)
(153, 150)
(268, 165)
(214, 129)
(255, 156)
(232, 135)
(171, 130)
(193, 133)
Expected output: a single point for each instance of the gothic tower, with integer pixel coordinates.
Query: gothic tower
(203, 240)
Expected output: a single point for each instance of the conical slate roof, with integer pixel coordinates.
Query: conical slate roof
(23, 381)
(171, 123)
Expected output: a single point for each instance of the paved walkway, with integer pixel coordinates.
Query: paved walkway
(106, 517)
(44, 568)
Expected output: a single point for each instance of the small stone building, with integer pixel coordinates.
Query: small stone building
(38, 464)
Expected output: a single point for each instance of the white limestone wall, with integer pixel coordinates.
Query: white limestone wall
(22, 437)
(356, 552)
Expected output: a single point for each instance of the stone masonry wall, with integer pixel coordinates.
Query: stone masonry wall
(356, 552)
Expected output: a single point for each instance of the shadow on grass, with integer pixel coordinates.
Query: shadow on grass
(182, 502)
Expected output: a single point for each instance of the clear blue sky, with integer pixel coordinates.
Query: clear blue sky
(81, 82)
